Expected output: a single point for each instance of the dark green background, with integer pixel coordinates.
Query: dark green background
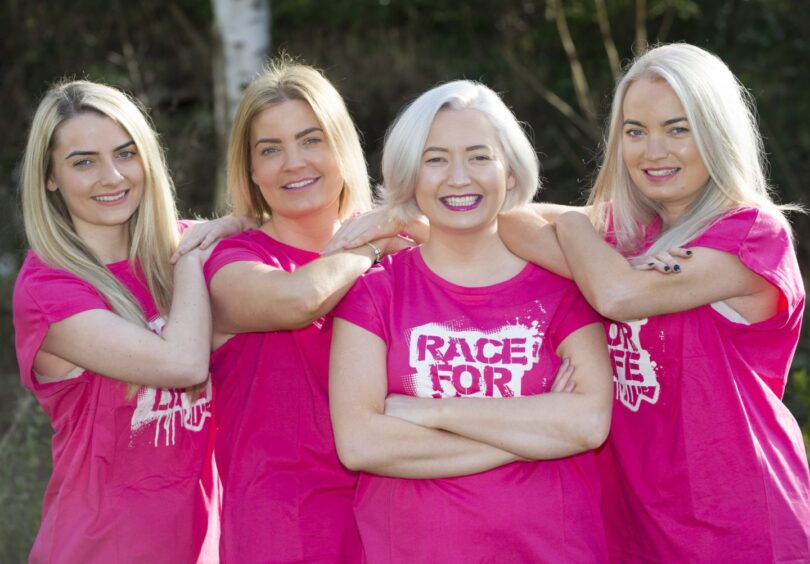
(380, 54)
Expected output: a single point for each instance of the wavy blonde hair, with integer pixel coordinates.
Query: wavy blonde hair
(722, 116)
(153, 234)
(284, 80)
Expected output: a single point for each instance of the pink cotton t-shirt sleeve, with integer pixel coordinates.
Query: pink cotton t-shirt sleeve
(43, 296)
(360, 307)
(573, 314)
(761, 240)
(242, 247)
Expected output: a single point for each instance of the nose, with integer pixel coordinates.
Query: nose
(293, 158)
(459, 176)
(656, 147)
(110, 175)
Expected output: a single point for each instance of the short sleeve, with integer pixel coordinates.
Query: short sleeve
(760, 238)
(363, 304)
(238, 248)
(574, 313)
(43, 296)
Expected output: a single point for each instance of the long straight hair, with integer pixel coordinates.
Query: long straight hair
(722, 117)
(153, 234)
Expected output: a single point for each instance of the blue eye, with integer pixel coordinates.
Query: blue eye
(269, 151)
(679, 130)
(83, 163)
(127, 154)
(633, 132)
(312, 140)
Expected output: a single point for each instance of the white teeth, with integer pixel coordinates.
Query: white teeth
(114, 198)
(300, 183)
(665, 172)
(460, 201)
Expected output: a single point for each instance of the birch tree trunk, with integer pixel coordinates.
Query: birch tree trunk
(242, 42)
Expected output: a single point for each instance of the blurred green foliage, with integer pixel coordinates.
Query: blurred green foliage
(380, 54)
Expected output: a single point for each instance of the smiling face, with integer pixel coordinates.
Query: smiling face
(659, 149)
(96, 168)
(462, 180)
(292, 163)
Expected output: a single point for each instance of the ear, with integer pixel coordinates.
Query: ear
(511, 181)
(51, 185)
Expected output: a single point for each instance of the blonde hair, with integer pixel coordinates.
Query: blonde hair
(722, 116)
(284, 80)
(49, 228)
(406, 138)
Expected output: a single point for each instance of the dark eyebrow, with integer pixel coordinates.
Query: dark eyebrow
(633, 122)
(91, 153)
(674, 120)
(275, 140)
(478, 148)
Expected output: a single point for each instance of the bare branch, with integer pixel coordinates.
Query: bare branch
(641, 26)
(607, 37)
(588, 126)
(581, 87)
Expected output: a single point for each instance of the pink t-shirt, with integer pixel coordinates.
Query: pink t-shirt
(133, 479)
(286, 497)
(704, 463)
(446, 340)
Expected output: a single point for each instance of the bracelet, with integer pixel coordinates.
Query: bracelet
(377, 252)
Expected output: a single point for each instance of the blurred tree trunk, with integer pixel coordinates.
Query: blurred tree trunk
(242, 41)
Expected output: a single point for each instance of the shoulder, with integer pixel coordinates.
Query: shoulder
(44, 291)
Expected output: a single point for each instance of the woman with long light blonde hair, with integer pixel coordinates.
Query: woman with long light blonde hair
(110, 335)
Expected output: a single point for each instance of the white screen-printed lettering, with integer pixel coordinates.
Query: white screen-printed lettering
(633, 370)
(167, 408)
(452, 363)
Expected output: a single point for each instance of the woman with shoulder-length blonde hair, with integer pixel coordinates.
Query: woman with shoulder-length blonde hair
(108, 334)
(442, 378)
(703, 460)
(295, 165)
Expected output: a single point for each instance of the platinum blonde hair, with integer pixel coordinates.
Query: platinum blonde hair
(153, 233)
(405, 142)
(281, 81)
(722, 118)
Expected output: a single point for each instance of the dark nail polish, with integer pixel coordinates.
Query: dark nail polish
(677, 268)
(688, 253)
(650, 264)
(666, 269)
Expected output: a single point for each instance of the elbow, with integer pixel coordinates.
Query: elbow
(304, 307)
(612, 302)
(189, 372)
(353, 455)
(595, 432)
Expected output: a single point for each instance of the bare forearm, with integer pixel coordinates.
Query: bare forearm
(531, 238)
(393, 447)
(188, 328)
(544, 426)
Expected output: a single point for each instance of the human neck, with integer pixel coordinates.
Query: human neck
(109, 243)
(311, 232)
(471, 259)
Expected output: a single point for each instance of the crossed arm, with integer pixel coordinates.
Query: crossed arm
(430, 438)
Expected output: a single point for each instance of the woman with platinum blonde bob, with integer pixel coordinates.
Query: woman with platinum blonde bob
(442, 375)
(703, 459)
(110, 337)
(296, 166)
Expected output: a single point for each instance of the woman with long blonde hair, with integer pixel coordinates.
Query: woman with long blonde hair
(704, 461)
(110, 336)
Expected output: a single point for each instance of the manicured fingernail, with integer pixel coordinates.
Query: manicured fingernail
(650, 264)
(666, 269)
(677, 268)
(688, 253)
